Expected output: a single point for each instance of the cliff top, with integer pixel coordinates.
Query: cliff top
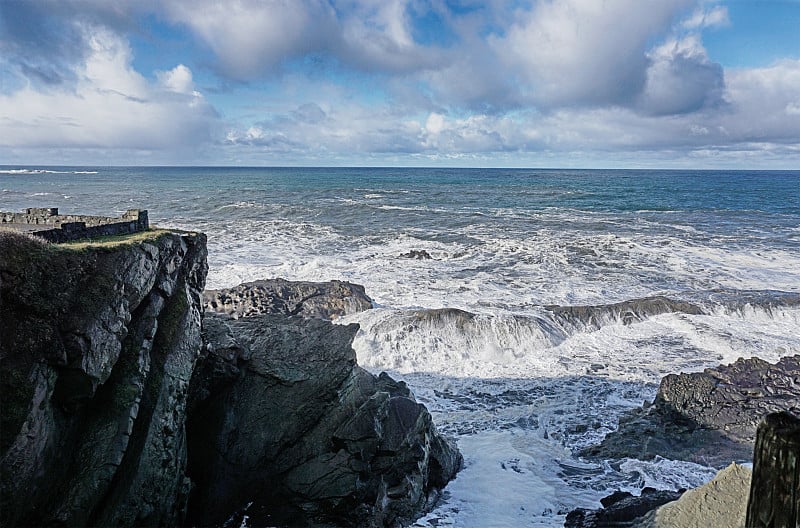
(109, 241)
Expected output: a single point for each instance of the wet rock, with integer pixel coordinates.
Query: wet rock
(323, 300)
(418, 254)
(626, 312)
(287, 423)
(708, 417)
(620, 509)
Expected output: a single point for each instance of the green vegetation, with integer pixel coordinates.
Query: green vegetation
(150, 235)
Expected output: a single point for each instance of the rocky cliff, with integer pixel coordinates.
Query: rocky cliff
(98, 343)
(117, 410)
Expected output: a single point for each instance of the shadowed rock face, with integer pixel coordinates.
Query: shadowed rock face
(708, 417)
(285, 421)
(323, 300)
(102, 366)
(97, 347)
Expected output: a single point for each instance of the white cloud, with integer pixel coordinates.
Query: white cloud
(435, 123)
(760, 98)
(251, 37)
(110, 106)
(717, 16)
(585, 51)
(681, 78)
(178, 79)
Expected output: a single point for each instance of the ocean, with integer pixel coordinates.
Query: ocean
(484, 331)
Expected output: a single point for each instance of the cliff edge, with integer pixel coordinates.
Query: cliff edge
(98, 342)
(124, 405)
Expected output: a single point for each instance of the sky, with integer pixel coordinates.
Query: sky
(516, 83)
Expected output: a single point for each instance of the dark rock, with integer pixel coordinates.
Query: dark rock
(97, 346)
(285, 421)
(620, 509)
(418, 254)
(323, 300)
(627, 312)
(708, 417)
(775, 486)
(112, 402)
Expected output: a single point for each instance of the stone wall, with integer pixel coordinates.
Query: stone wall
(48, 224)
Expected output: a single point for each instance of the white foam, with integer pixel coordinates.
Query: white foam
(506, 482)
(510, 387)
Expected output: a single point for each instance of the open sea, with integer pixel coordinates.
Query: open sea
(482, 331)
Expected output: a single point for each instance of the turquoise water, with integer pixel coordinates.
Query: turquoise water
(505, 245)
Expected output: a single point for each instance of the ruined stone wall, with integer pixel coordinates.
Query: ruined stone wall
(48, 224)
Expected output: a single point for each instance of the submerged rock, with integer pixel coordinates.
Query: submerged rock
(708, 417)
(324, 300)
(286, 422)
(417, 254)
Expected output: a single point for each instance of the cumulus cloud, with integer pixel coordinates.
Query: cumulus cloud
(681, 78)
(179, 79)
(584, 51)
(377, 35)
(109, 106)
(251, 37)
(254, 38)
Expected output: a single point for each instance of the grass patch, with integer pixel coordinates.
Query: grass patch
(115, 240)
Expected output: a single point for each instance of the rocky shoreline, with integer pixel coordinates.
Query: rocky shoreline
(132, 396)
(125, 404)
(709, 417)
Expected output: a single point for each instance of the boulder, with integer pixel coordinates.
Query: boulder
(287, 429)
(720, 502)
(620, 509)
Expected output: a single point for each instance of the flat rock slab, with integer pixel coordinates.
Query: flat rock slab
(320, 300)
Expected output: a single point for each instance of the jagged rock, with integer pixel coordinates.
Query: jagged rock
(708, 417)
(97, 347)
(418, 254)
(286, 422)
(324, 300)
(620, 509)
(111, 403)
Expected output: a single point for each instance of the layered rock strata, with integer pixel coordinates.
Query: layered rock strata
(97, 345)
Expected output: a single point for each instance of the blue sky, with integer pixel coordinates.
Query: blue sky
(539, 83)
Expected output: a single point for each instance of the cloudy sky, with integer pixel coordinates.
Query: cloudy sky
(536, 83)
